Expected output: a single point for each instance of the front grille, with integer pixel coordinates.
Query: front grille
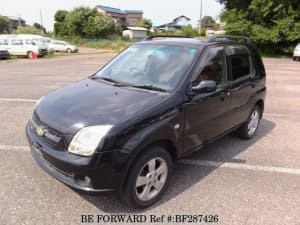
(43, 51)
(47, 135)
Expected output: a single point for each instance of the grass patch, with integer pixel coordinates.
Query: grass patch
(115, 43)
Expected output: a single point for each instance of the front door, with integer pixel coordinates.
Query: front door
(206, 114)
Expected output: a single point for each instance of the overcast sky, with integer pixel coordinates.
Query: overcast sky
(159, 11)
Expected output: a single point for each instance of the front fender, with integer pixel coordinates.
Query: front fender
(167, 128)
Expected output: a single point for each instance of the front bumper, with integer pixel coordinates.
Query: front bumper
(42, 52)
(101, 173)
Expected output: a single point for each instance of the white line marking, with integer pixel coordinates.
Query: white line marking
(14, 148)
(17, 100)
(199, 163)
(240, 166)
(276, 115)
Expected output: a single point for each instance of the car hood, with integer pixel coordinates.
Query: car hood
(90, 102)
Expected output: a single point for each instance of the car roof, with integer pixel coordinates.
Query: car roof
(199, 43)
(187, 42)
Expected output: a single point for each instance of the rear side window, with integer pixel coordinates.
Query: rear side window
(240, 62)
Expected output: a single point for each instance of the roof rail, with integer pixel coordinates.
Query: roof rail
(226, 38)
(149, 38)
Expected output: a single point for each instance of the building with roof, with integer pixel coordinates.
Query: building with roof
(124, 18)
(176, 24)
(135, 33)
(14, 23)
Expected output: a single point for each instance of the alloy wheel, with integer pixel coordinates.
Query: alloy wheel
(253, 123)
(151, 179)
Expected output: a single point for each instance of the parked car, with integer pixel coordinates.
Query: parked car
(61, 46)
(296, 55)
(3, 50)
(23, 45)
(121, 129)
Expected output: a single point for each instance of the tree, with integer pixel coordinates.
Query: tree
(40, 27)
(146, 23)
(84, 22)
(273, 25)
(207, 22)
(4, 23)
(60, 15)
(28, 30)
(100, 26)
(77, 19)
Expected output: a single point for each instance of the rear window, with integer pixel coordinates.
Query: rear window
(3, 42)
(240, 62)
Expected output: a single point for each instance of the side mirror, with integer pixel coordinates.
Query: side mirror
(205, 86)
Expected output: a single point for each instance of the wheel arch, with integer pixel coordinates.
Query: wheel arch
(261, 105)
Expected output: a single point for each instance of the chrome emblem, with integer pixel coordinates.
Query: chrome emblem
(40, 131)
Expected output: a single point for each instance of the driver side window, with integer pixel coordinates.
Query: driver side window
(213, 67)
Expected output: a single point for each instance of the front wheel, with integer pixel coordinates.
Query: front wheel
(69, 50)
(148, 178)
(249, 128)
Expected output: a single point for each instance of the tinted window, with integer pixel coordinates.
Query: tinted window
(213, 68)
(240, 62)
(3, 42)
(16, 42)
(161, 66)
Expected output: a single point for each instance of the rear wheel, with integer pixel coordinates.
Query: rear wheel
(249, 128)
(69, 50)
(148, 178)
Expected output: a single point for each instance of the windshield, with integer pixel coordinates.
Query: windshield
(160, 66)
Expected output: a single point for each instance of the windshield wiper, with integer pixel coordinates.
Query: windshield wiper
(150, 87)
(104, 78)
(114, 82)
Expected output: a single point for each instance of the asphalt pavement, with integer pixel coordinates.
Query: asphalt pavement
(254, 182)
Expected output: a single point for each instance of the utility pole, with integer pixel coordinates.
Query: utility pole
(200, 20)
(41, 16)
(19, 19)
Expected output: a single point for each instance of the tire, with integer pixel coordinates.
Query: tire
(153, 181)
(249, 128)
(30, 55)
(69, 50)
(294, 58)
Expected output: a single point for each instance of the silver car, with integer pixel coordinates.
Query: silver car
(296, 55)
(61, 46)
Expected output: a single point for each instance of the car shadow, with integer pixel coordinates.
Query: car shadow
(224, 149)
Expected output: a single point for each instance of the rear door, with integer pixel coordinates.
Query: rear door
(206, 114)
(240, 77)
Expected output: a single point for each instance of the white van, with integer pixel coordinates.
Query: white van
(23, 45)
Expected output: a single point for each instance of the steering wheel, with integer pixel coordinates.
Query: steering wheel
(139, 72)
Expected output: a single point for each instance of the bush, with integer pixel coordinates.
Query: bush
(29, 30)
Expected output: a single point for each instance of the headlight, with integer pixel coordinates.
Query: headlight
(38, 101)
(87, 139)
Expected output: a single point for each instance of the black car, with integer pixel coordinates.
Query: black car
(4, 54)
(121, 129)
